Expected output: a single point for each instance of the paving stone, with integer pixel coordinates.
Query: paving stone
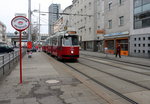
(71, 100)
(30, 101)
(17, 101)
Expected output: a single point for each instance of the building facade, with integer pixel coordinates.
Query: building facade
(88, 20)
(117, 25)
(54, 10)
(58, 25)
(140, 28)
(2, 32)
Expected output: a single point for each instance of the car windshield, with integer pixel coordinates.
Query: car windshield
(70, 40)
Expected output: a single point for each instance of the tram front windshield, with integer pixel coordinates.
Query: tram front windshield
(70, 40)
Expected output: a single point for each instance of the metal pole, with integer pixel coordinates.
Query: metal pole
(29, 17)
(95, 25)
(20, 57)
(39, 25)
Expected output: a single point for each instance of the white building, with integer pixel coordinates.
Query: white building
(85, 21)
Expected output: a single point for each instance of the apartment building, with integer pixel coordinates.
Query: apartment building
(140, 28)
(85, 22)
(2, 32)
(117, 25)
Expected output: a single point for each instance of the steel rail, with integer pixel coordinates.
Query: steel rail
(119, 67)
(105, 86)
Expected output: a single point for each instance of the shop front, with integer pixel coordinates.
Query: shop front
(111, 41)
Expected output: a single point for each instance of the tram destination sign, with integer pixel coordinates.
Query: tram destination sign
(20, 23)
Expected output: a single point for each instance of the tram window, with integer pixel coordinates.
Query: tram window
(70, 40)
(67, 41)
(75, 40)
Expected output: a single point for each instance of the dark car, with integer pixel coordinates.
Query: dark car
(4, 48)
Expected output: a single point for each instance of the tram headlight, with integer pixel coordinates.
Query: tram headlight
(72, 52)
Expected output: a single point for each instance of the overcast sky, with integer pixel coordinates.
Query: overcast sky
(8, 8)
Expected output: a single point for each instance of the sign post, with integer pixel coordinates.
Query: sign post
(20, 23)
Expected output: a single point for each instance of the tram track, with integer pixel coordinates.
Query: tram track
(100, 84)
(104, 85)
(137, 65)
(129, 81)
(117, 66)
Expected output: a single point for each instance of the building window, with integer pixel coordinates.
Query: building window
(90, 5)
(149, 51)
(89, 30)
(121, 21)
(141, 14)
(143, 51)
(139, 45)
(134, 45)
(98, 27)
(139, 38)
(110, 24)
(137, 3)
(85, 19)
(148, 38)
(134, 51)
(143, 45)
(148, 45)
(110, 6)
(143, 38)
(85, 7)
(135, 39)
(139, 51)
(98, 15)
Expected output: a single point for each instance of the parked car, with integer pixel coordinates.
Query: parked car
(5, 48)
(33, 49)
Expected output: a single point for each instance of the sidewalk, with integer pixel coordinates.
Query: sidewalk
(141, 61)
(44, 82)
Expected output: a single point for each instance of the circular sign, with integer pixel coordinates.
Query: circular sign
(20, 23)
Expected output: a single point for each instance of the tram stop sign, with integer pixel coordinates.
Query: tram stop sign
(20, 23)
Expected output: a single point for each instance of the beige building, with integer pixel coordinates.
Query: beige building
(117, 25)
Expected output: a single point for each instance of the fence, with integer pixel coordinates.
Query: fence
(9, 61)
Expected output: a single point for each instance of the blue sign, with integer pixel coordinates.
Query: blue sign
(114, 34)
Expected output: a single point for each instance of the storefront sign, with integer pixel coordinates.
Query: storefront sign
(114, 34)
(100, 32)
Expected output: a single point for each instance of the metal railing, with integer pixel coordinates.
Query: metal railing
(9, 61)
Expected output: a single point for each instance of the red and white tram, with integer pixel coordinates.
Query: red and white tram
(63, 45)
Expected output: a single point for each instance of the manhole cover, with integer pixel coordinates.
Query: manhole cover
(52, 81)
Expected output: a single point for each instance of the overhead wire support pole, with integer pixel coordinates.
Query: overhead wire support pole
(29, 17)
(39, 25)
